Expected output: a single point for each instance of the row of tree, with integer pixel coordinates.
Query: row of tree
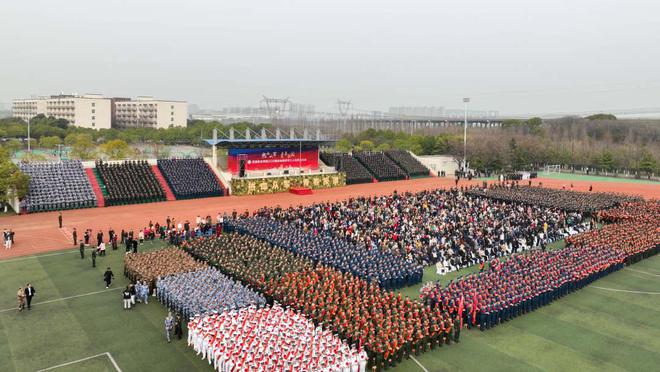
(41, 126)
(529, 145)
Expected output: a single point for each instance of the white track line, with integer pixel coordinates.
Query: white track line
(112, 360)
(643, 272)
(419, 364)
(624, 290)
(63, 299)
(31, 257)
(114, 363)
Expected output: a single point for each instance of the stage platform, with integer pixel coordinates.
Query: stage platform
(301, 190)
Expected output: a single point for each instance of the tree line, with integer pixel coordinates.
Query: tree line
(600, 143)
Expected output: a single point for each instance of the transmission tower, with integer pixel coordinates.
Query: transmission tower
(276, 108)
(343, 107)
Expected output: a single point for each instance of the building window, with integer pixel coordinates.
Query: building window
(171, 119)
(172, 113)
(93, 117)
(172, 107)
(93, 111)
(93, 124)
(93, 104)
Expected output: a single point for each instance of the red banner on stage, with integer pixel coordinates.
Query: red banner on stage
(272, 158)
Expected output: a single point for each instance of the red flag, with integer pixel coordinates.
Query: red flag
(461, 304)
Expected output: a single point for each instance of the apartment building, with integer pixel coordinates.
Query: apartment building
(87, 111)
(98, 112)
(147, 112)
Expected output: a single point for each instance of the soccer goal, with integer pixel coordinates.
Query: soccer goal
(555, 168)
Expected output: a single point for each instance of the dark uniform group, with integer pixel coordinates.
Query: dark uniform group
(373, 265)
(129, 182)
(190, 178)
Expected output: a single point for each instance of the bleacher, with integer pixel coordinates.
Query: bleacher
(190, 178)
(410, 165)
(129, 182)
(354, 170)
(380, 166)
(57, 186)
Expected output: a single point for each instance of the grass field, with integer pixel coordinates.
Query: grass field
(583, 177)
(595, 329)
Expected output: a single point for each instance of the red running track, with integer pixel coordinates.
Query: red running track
(36, 233)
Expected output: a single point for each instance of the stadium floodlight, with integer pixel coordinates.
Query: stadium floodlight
(466, 100)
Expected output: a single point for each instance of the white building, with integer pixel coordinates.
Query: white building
(147, 112)
(98, 112)
(28, 108)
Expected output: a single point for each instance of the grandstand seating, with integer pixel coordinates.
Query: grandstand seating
(410, 165)
(129, 182)
(354, 170)
(190, 178)
(380, 166)
(57, 186)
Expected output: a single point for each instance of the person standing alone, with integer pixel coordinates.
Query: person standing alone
(126, 295)
(75, 237)
(29, 293)
(169, 325)
(59, 219)
(107, 277)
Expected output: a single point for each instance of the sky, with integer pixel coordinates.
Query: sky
(513, 56)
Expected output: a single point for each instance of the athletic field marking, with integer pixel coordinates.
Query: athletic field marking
(419, 364)
(63, 299)
(43, 255)
(624, 290)
(112, 360)
(643, 272)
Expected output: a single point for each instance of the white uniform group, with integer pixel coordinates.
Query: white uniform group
(270, 339)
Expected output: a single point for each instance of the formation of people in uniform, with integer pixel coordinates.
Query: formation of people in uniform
(521, 284)
(150, 266)
(270, 339)
(586, 202)
(300, 257)
(203, 291)
(388, 326)
(373, 265)
(253, 261)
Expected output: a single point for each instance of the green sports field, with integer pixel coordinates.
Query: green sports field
(600, 328)
(584, 177)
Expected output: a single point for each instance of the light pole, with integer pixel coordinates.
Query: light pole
(466, 100)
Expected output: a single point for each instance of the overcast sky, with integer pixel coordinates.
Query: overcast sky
(512, 56)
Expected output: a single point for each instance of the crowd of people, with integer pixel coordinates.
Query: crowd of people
(450, 228)
(270, 339)
(151, 266)
(568, 200)
(525, 282)
(410, 165)
(635, 239)
(647, 211)
(190, 178)
(57, 186)
(346, 163)
(521, 284)
(373, 265)
(386, 325)
(253, 261)
(204, 291)
(380, 166)
(129, 182)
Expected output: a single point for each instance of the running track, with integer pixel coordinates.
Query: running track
(37, 233)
